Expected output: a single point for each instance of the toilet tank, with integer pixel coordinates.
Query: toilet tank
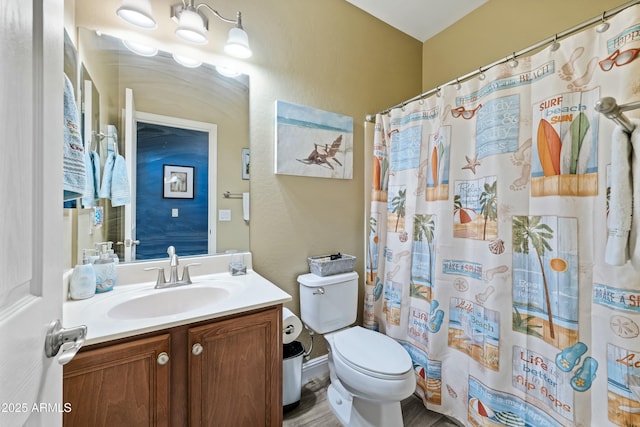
(328, 303)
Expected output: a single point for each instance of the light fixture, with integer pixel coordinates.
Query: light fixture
(227, 71)
(185, 61)
(193, 26)
(140, 49)
(138, 13)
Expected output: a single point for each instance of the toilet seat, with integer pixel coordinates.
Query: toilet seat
(372, 353)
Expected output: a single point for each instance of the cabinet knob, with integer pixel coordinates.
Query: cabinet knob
(196, 349)
(163, 358)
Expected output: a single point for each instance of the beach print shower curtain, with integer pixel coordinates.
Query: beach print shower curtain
(487, 236)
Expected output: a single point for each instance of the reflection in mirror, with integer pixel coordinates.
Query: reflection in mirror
(160, 87)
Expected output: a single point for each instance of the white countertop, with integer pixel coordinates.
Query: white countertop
(242, 293)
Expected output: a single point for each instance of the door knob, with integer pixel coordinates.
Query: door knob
(128, 243)
(163, 358)
(57, 337)
(196, 349)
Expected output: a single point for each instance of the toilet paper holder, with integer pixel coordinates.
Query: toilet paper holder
(291, 331)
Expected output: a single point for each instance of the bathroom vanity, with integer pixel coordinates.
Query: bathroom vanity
(209, 353)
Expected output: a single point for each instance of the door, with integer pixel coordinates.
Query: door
(196, 214)
(31, 110)
(130, 126)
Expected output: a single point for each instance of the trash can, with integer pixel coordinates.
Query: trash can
(291, 374)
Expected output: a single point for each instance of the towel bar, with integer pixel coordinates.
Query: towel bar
(611, 110)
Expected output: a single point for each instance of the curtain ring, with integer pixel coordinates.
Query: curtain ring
(555, 45)
(604, 26)
(514, 62)
(439, 92)
(482, 75)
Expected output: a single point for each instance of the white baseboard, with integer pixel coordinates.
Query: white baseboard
(315, 367)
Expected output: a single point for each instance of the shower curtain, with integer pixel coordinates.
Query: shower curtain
(487, 236)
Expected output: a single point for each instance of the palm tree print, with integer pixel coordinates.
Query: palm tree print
(489, 206)
(424, 227)
(529, 231)
(457, 203)
(398, 202)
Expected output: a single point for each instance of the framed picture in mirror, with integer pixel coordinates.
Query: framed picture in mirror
(178, 182)
(245, 163)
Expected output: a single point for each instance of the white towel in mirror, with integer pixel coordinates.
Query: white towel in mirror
(245, 206)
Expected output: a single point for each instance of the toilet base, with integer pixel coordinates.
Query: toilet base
(352, 411)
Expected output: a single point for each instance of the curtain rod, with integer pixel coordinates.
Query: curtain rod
(553, 39)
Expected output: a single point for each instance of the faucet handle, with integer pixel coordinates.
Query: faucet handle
(173, 257)
(186, 278)
(161, 280)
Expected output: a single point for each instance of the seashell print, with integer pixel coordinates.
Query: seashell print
(404, 236)
(509, 419)
(497, 246)
(623, 326)
(452, 392)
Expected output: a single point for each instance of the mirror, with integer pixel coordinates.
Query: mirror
(161, 89)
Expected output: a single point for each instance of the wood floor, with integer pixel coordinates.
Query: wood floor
(314, 410)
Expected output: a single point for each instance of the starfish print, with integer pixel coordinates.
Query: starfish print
(471, 163)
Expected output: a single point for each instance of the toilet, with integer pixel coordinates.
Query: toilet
(370, 372)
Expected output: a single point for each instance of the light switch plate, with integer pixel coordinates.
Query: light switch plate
(174, 212)
(224, 215)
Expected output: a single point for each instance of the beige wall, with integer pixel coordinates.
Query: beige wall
(497, 30)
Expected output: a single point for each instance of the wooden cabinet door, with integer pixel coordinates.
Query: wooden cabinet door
(119, 385)
(236, 380)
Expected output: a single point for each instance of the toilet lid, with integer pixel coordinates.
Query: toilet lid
(372, 352)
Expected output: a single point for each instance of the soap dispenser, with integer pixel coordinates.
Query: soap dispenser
(83, 279)
(105, 270)
(112, 253)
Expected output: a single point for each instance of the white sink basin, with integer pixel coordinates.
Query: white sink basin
(134, 307)
(168, 302)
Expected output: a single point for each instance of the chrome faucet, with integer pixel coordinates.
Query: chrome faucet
(173, 281)
(173, 265)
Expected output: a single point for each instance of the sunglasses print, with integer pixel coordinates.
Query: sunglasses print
(466, 114)
(618, 58)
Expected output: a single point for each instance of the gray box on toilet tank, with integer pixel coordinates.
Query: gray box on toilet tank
(324, 265)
